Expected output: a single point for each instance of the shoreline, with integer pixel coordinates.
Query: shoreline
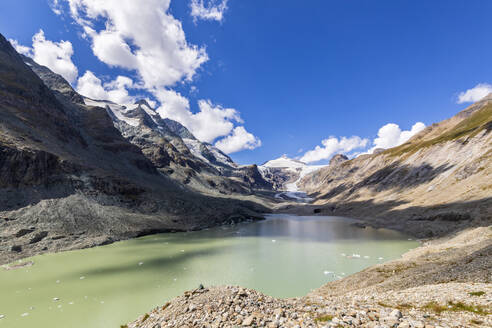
(421, 289)
(367, 298)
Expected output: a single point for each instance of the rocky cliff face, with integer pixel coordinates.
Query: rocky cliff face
(440, 180)
(175, 152)
(69, 179)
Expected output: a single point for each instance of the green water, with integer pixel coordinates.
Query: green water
(107, 286)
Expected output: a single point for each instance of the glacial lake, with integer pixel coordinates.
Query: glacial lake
(283, 256)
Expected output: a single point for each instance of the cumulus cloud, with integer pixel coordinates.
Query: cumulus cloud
(332, 146)
(148, 40)
(141, 37)
(26, 51)
(91, 86)
(238, 140)
(209, 123)
(474, 94)
(57, 56)
(214, 10)
(390, 135)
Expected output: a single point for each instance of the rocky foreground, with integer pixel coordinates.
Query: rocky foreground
(444, 283)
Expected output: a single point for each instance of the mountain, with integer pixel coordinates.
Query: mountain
(439, 181)
(70, 179)
(174, 151)
(284, 172)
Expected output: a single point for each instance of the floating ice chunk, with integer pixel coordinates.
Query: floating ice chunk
(175, 279)
(366, 256)
(71, 303)
(140, 263)
(25, 314)
(343, 273)
(355, 255)
(58, 281)
(82, 278)
(2, 316)
(380, 258)
(343, 254)
(327, 272)
(274, 241)
(55, 299)
(59, 306)
(182, 251)
(31, 308)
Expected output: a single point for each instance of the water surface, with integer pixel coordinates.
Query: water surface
(283, 256)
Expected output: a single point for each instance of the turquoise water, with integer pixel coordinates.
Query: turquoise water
(283, 256)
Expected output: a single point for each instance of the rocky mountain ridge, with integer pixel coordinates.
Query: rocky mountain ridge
(69, 179)
(439, 181)
(177, 153)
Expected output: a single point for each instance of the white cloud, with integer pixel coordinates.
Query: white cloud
(57, 56)
(390, 135)
(332, 146)
(211, 122)
(238, 140)
(141, 37)
(475, 94)
(91, 86)
(214, 10)
(26, 51)
(145, 38)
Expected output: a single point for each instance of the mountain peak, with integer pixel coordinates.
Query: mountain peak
(284, 161)
(143, 102)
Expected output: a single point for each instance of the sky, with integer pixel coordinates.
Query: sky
(259, 79)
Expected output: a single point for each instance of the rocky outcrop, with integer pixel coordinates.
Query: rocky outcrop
(338, 159)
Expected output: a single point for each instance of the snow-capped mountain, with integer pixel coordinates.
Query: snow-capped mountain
(175, 151)
(285, 172)
(142, 114)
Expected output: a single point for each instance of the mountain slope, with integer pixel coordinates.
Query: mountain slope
(439, 181)
(178, 154)
(69, 179)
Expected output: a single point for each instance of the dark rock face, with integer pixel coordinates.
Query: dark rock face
(65, 169)
(338, 159)
(179, 129)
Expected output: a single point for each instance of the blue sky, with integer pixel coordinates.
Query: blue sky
(296, 72)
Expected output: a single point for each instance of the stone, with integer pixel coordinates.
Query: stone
(390, 321)
(248, 321)
(373, 316)
(278, 313)
(396, 314)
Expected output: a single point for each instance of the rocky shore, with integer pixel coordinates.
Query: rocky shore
(443, 283)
